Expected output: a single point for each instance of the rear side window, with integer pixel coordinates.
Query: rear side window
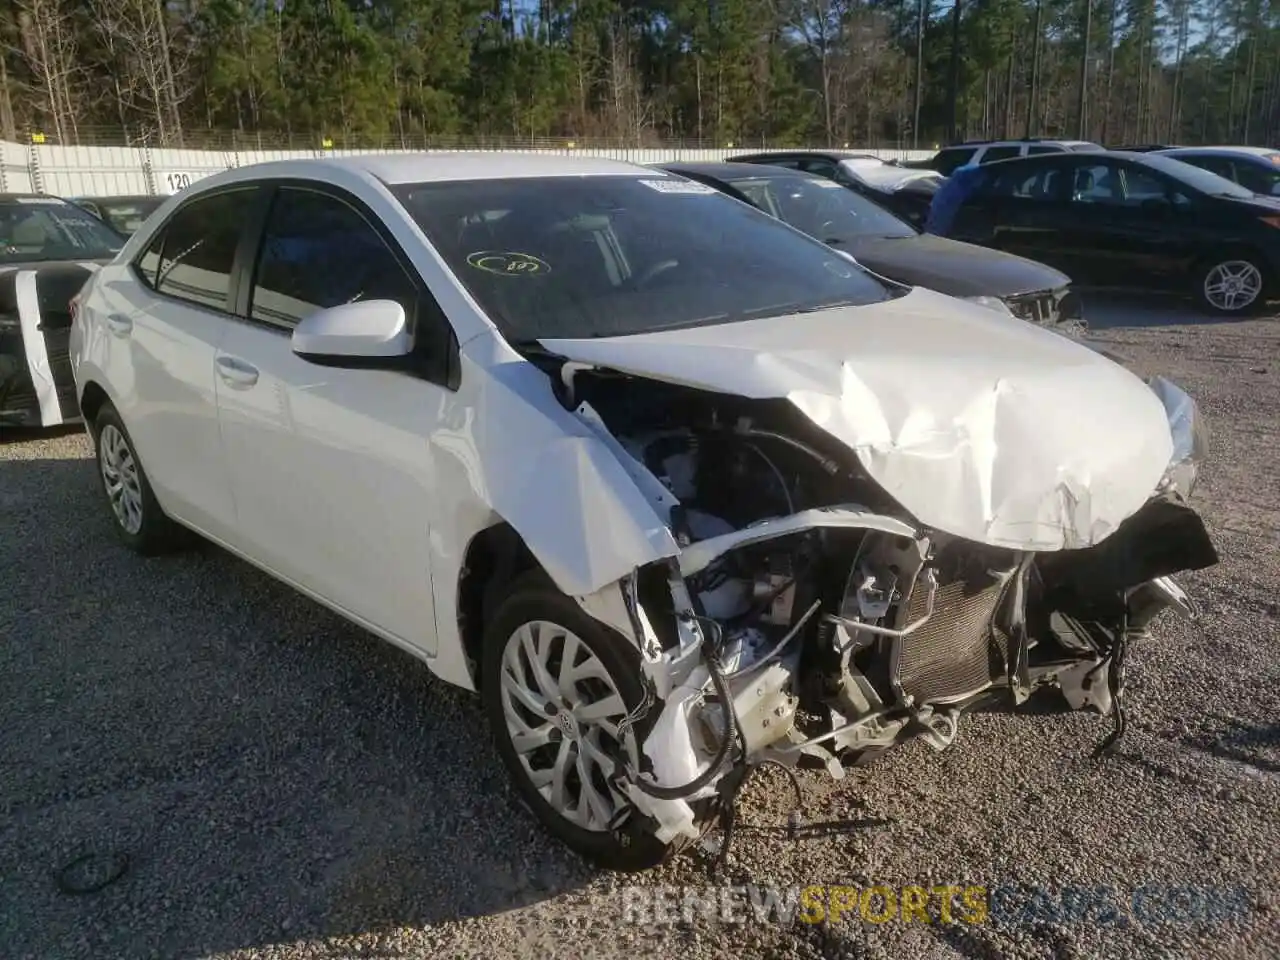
(192, 256)
(999, 153)
(948, 161)
(319, 252)
(1036, 151)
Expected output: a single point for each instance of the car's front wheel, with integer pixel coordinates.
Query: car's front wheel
(137, 516)
(559, 688)
(1232, 284)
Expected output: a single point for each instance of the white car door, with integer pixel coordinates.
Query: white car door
(331, 467)
(164, 317)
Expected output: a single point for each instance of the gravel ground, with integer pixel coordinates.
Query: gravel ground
(288, 787)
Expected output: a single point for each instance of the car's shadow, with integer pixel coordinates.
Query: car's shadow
(1107, 309)
(271, 772)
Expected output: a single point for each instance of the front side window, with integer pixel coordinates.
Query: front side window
(318, 252)
(1261, 178)
(1040, 151)
(193, 256)
(598, 256)
(35, 229)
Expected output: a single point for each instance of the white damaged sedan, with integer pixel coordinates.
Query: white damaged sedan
(679, 490)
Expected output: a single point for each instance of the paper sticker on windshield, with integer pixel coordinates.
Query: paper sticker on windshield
(508, 263)
(829, 184)
(686, 187)
(42, 201)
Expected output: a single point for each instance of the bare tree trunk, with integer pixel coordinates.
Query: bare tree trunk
(1006, 128)
(915, 121)
(1082, 108)
(1111, 70)
(955, 73)
(1034, 96)
(1251, 77)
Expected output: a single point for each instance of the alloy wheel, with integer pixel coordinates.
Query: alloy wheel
(566, 720)
(120, 478)
(1232, 285)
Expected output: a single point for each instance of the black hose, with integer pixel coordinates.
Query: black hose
(722, 753)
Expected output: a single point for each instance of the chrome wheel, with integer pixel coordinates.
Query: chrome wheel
(1232, 285)
(120, 478)
(563, 713)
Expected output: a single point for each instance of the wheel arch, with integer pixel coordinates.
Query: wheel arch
(495, 557)
(92, 398)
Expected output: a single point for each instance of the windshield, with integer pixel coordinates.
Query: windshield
(821, 208)
(34, 229)
(601, 256)
(1198, 179)
(127, 216)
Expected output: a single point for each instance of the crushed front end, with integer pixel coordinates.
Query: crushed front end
(809, 617)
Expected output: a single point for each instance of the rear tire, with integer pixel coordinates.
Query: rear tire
(538, 622)
(135, 513)
(1234, 283)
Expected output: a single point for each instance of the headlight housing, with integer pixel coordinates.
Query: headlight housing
(991, 303)
(1190, 437)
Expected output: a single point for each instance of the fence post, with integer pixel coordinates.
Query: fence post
(33, 168)
(148, 172)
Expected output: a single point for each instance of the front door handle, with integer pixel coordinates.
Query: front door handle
(237, 373)
(120, 325)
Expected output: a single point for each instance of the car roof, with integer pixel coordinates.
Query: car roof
(120, 198)
(824, 154)
(19, 197)
(424, 167)
(728, 170)
(1221, 151)
(1020, 142)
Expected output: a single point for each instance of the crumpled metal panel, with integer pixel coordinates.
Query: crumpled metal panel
(980, 425)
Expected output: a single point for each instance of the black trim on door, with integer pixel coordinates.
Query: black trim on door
(444, 371)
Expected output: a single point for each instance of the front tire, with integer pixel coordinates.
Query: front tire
(1232, 284)
(556, 684)
(136, 515)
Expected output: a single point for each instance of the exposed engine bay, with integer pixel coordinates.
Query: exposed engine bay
(809, 616)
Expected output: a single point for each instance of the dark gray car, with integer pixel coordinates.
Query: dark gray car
(891, 247)
(48, 249)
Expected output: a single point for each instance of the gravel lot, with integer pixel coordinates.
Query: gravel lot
(286, 786)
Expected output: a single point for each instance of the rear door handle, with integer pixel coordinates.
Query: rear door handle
(237, 373)
(121, 326)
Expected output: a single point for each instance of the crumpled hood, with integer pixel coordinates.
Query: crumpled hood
(982, 426)
(954, 268)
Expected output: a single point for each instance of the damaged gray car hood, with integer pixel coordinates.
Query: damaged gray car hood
(980, 425)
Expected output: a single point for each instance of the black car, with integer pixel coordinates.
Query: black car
(1131, 220)
(889, 246)
(906, 192)
(123, 214)
(48, 248)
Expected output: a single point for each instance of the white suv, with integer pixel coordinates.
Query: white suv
(947, 160)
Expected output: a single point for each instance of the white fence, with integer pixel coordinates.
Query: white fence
(125, 171)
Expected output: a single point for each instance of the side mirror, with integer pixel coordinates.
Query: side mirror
(354, 334)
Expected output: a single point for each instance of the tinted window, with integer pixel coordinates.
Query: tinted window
(1115, 185)
(612, 255)
(1194, 177)
(1036, 151)
(318, 252)
(199, 248)
(823, 168)
(1219, 165)
(1029, 182)
(820, 208)
(1259, 177)
(127, 216)
(46, 228)
(948, 161)
(999, 153)
(148, 265)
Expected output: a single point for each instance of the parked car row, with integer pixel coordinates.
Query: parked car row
(677, 488)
